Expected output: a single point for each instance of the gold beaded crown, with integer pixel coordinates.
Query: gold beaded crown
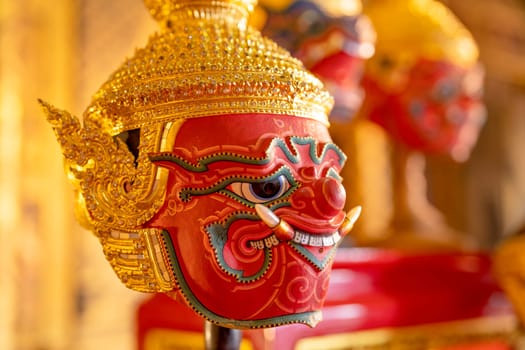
(206, 61)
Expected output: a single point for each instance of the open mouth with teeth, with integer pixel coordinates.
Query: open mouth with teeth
(311, 246)
(300, 237)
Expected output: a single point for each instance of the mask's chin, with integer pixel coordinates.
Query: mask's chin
(184, 291)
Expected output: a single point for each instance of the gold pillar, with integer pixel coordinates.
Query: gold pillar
(10, 116)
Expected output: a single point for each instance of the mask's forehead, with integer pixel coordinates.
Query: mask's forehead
(246, 130)
(444, 83)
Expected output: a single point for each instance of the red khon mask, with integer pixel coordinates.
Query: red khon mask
(439, 110)
(246, 270)
(205, 167)
(424, 84)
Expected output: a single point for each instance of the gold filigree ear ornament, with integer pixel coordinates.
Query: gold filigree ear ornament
(104, 171)
(111, 201)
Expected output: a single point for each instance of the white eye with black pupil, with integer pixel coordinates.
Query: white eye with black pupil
(263, 191)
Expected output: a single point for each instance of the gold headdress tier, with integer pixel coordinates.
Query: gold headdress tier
(206, 62)
(164, 11)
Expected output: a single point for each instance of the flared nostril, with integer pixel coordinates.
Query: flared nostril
(330, 196)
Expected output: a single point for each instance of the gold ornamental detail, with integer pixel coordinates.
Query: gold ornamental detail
(138, 258)
(113, 188)
(171, 11)
(207, 69)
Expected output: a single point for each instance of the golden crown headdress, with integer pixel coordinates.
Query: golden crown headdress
(412, 29)
(205, 61)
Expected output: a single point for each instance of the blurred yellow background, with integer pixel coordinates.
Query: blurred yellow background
(56, 290)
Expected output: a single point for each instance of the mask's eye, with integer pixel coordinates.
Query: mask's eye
(262, 191)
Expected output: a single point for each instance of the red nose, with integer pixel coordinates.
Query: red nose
(330, 196)
(323, 198)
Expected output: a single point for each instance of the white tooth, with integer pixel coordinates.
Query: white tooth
(316, 241)
(268, 242)
(267, 216)
(305, 239)
(328, 241)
